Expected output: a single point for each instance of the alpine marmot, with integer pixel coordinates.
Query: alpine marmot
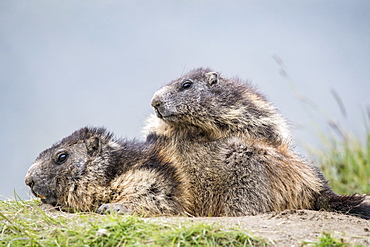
(234, 151)
(90, 170)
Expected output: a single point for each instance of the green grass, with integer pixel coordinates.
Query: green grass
(23, 223)
(343, 157)
(327, 240)
(345, 162)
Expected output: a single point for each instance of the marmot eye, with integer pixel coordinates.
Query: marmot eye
(62, 158)
(187, 84)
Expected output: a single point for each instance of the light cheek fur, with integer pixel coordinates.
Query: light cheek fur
(33, 172)
(162, 99)
(42, 182)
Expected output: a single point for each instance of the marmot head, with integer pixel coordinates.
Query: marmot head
(73, 170)
(207, 103)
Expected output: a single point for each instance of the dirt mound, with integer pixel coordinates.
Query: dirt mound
(292, 227)
(287, 228)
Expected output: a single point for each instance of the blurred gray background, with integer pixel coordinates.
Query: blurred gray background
(68, 64)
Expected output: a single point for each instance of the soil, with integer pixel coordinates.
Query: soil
(293, 227)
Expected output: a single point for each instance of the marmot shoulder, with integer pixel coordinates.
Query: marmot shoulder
(90, 170)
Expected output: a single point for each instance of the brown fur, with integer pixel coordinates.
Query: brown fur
(215, 148)
(102, 174)
(234, 149)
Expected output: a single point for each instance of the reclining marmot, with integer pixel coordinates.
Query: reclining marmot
(90, 170)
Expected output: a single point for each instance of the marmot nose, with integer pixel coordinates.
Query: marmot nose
(156, 102)
(29, 181)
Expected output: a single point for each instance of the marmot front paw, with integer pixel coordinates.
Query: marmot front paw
(113, 207)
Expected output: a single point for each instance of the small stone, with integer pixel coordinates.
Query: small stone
(102, 232)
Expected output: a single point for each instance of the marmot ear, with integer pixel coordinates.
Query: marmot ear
(212, 78)
(93, 146)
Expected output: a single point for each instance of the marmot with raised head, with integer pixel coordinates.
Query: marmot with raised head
(90, 170)
(217, 107)
(233, 150)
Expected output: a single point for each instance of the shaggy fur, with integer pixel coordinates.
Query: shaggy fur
(216, 147)
(233, 149)
(92, 171)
